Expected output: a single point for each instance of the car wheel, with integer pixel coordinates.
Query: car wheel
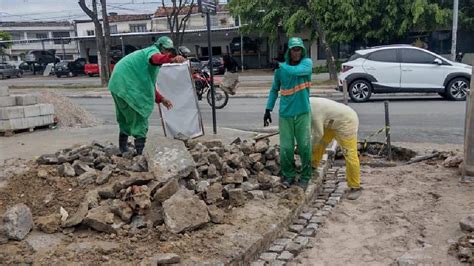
(457, 89)
(360, 90)
(58, 75)
(90, 75)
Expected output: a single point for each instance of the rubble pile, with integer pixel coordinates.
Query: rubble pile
(121, 194)
(229, 175)
(463, 249)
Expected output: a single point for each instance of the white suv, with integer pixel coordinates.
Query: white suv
(403, 68)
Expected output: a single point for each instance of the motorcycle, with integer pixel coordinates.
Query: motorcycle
(202, 83)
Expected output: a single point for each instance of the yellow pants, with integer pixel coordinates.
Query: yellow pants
(349, 149)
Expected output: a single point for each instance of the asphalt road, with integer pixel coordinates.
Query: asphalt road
(428, 119)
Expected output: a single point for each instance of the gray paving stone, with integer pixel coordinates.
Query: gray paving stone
(26, 99)
(276, 248)
(296, 228)
(7, 101)
(278, 263)
(303, 240)
(314, 226)
(301, 221)
(306, 215)
(282, 241)
(268, 256)
(317, 220)
(289, 235)
(258, 263)
(286, 256)
(309, 232)
(294, 248)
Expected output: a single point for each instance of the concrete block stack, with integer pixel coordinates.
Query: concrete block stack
(23, 112)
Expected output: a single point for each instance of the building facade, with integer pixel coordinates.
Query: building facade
(35, 36)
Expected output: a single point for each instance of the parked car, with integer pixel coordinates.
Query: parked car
(195, 63)
(70, 69)
(403, 68)
(93, 69)
(249, 45)
(41, 57)
(217, 64)
(8, 71)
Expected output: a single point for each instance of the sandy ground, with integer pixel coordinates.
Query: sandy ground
(410, 211)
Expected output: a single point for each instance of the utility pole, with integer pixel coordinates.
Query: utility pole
(468, 170)
(455, 29)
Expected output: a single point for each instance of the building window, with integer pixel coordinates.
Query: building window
(138, 28)
(17, 36)
(90, 33)
(113, 29)
(61, 34)
(41, 35)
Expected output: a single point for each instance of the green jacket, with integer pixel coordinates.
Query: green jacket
(293, 83)
(134, 78)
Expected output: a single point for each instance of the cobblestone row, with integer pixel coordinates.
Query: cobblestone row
(306, 226)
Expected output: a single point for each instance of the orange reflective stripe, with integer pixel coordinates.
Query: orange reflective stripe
(295, 89)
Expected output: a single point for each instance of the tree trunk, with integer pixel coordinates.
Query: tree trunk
(106, 44)
(330, 61)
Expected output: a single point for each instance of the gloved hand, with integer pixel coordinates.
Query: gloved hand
(267, 118)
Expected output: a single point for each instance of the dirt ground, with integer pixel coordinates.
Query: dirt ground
(409, 211)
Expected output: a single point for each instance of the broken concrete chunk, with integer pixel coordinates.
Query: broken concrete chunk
(232, 179)
(258, 167)
(140, 198)
(247, 148)
(122, 210)
(78, 216)
(249, 186)
(217, 215)
(261, 146)
(215, 159)
(236, 197)
(47, 159)
(255, 157)
(271, 153)
(202, 186)
(214, 193)
(161, 259)
(467, 224)
(213, 143)
(42, 173)
(17, 222)
(169, 161)
(212, 171)
(111, 150)
(453, 161)
(234, 160)
(155, 215)
(138, 222)
(167, 190)
(139, 164)
(87, 178)
(184, 211)
(102, 220)
(257, 194)
(66, 170)
(81, 167)
(49, 224)
(106, 192)
(104, 176)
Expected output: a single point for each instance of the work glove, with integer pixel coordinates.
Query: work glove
(267, 118)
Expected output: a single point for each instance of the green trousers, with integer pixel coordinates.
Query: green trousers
(131, 123)
(299, 128)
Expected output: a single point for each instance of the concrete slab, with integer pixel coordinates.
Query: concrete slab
(42, 242)
(26, 99)
(12, 112)
(7, 101)
(31, 110)
(46, 109)
(4, 91)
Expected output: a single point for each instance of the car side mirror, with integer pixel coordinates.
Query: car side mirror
(438, 61)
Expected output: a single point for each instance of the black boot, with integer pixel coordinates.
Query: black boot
(123, 143)
(140, 145)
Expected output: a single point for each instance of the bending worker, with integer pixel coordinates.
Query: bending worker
(132, 86)
(293, 80)
(336, 120)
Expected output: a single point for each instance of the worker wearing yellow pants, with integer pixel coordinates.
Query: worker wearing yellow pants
(333, 120)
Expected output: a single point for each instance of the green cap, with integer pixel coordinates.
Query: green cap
(164, 42)
(295, 42)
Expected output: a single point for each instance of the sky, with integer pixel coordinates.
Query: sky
(37, 10)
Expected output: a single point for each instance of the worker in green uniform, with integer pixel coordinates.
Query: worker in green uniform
(292, 79)
(132, 86)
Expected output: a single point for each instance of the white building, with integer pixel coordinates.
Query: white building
(26, 36)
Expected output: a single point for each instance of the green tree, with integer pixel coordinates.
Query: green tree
(335, 21)
(5, 36)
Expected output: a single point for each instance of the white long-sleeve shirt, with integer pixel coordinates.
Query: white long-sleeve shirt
(330, 114)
